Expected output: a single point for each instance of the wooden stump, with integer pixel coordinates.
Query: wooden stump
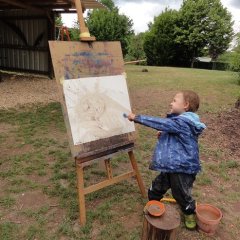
(163, 227)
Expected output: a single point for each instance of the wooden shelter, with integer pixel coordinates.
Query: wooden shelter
(26, 26)
(48, 5)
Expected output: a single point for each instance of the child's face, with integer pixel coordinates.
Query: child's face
(178, 105)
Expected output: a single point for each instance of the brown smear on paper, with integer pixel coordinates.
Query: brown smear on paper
(95, 108)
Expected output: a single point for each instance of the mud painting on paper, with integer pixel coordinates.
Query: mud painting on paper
(73, 60)
(80, 64)
(96, 106)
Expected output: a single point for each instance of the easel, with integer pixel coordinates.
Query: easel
(64, 54)
(82, 191)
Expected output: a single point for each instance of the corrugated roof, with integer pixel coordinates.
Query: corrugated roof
(48, 4)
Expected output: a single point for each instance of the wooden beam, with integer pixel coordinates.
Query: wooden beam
(65, 11)
(90, 4)
(109, 182)
(22, 5)
(84, 32)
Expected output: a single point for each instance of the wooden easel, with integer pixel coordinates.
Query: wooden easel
(82, 191)
(68, 61)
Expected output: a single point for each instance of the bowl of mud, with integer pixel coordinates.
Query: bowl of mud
(155, 208)
(208, 218)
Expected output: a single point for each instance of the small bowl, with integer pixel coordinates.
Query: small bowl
(155, 208)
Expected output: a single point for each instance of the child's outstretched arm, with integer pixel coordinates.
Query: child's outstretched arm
(160, 124)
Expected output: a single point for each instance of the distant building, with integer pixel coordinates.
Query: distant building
(203, 59)
(207, 63)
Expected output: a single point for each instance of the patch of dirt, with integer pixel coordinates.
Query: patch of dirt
(9, 147)
(236, 207)
(18, 90)
(33, 200)
(6, 128)
(16, 217)
(40, 179)
(223, 131)
(95, 231)
(129, 221)
(10, 150)
(3, 184)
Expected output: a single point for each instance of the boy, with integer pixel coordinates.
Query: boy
(176, 154)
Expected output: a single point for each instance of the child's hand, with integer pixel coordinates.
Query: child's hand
(159, 134)
(131, 117)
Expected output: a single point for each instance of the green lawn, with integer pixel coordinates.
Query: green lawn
(38, 198)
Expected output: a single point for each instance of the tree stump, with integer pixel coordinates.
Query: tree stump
(163, 227)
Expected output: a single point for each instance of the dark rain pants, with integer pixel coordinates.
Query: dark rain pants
(181, 187)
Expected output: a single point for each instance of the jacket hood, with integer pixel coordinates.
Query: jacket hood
(195, 120)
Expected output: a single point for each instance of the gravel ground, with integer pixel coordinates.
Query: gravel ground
(21, 89)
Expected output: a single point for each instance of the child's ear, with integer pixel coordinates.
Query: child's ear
(186, 106)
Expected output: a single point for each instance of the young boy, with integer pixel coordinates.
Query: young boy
(176, 154)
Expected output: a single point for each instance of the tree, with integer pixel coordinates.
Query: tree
(58, 25)
(159, 41)
(204, 24)
(235, 59)
(58, 20)
(108, 25)
(74, 32)
(135, 48)
(109, 4)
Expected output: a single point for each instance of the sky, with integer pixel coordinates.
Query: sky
(142, 12)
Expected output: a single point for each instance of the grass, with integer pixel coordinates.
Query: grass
(217, 89)
(7, 202)
(36, 160)
(8, 231)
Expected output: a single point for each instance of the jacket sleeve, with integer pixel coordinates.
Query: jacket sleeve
(161, 124)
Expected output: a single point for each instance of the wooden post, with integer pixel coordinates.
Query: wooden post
(163, 227)
(81, 197)
(138, 176)
(108, 168)
(84, 32)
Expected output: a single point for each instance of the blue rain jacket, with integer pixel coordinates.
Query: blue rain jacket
(177, 147)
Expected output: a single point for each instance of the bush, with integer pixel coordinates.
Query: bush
(235, 64)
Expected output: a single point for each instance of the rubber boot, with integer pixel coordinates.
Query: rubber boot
(190, 221)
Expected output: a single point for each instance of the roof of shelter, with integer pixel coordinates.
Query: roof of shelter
(203, 59)
(47, 4)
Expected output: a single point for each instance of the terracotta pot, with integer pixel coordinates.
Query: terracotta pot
(208, 218)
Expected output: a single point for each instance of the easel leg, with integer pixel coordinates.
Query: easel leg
(108, 168)
(81, 196)
(138, 176)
